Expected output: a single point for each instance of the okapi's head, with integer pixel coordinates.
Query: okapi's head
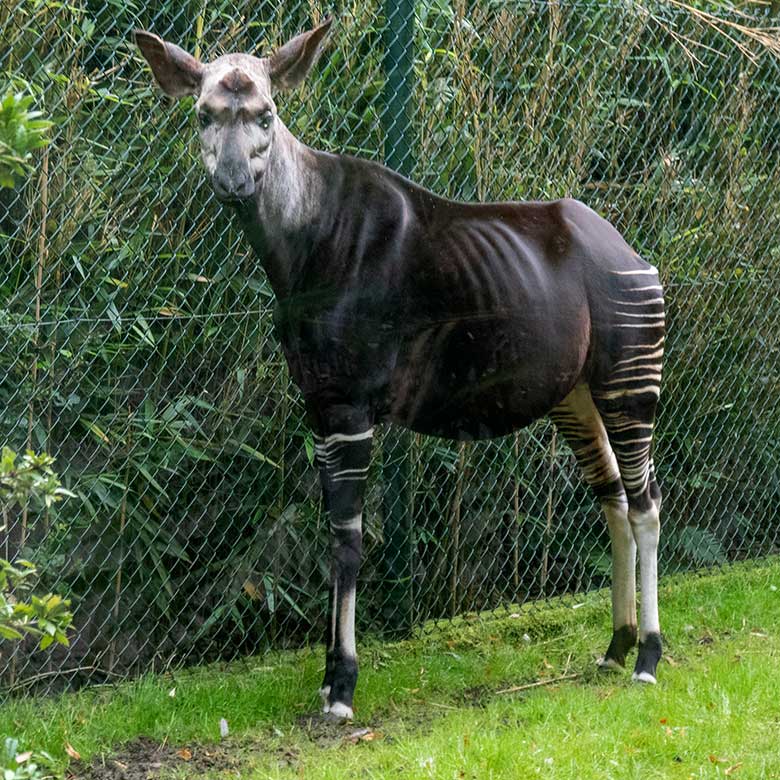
(235, 106)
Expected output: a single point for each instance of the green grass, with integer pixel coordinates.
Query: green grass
(433, 704)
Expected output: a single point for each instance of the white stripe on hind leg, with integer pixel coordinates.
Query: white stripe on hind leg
(623, 564)
(347, 624)
(646, 528)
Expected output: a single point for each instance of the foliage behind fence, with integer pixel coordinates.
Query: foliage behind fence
(136, 343)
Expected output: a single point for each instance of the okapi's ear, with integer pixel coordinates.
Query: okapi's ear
(288, 65)
(178, 73)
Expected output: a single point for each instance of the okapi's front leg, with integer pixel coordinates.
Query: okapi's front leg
(343, 458)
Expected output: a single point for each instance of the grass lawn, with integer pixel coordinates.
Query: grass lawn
(437, 706)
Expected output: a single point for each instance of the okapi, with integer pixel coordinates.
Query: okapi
(458, 320)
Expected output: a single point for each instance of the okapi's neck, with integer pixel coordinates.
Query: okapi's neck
(280, 221)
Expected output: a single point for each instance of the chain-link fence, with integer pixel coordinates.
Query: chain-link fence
(136, 343)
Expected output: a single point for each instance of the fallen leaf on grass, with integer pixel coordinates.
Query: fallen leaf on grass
(362, 735)
(184, 754)
(716, 760)
(22, 757)
(732, 769)
(72, 752)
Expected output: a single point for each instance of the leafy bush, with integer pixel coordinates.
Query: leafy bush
(28, 476)
(47, 617)
(21, 132)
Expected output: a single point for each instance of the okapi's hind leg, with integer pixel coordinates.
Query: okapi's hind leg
(581, 425)
(629, 419)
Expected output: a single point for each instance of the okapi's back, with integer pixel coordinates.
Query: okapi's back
(498, 319)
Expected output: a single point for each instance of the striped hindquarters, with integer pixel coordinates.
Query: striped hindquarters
(627, 396)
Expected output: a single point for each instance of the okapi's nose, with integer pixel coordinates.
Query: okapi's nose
(233, 182)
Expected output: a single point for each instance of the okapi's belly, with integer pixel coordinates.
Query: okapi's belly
(479, 378)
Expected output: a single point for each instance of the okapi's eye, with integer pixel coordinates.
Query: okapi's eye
(265, 119)
(204, 119)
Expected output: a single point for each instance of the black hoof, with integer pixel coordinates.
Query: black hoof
(650, 651)
(623, 640)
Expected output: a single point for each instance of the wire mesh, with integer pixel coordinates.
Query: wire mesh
(136, 343)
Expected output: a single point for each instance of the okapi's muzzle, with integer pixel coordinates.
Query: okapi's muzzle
(233, 182)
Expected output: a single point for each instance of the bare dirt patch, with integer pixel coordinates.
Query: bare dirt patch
(147, 759)
(144, 758)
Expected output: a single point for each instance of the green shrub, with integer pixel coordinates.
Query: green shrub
(21, 131)
(47, 617)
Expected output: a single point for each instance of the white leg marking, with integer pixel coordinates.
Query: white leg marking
(623, 380)
(646, 528)
(644, 677)
(339, 710)
(344, 472)
(347, 624)
(610, 664)
(349, 524)
(623, 564)
(650, 389)
(324, 693)
(332, 643)
(327, 441)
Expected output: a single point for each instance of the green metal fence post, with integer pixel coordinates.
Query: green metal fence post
(396, 464)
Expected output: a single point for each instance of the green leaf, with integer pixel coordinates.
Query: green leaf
(9, 633)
